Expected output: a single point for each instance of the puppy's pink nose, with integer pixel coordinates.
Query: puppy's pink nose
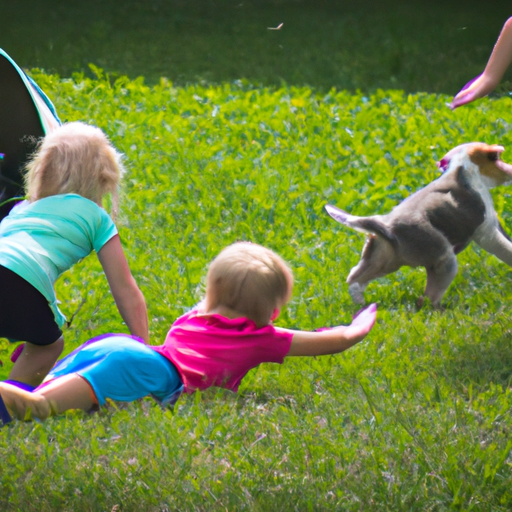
(443, 164)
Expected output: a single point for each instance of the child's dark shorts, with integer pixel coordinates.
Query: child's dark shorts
(25, 314)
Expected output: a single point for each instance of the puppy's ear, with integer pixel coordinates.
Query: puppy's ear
(368, 225)
(480, 152)
(489, 162)
(493, 152)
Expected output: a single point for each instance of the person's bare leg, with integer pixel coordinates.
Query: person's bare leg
(61, 394)
(68, 392)
(35, 361)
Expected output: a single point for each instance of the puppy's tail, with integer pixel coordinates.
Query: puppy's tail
(371, 225)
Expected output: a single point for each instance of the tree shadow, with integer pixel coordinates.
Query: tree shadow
(413, 45)
(480, 363)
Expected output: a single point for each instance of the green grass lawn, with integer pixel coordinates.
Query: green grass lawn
(417, 417)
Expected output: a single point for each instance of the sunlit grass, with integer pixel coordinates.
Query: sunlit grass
(417, 417)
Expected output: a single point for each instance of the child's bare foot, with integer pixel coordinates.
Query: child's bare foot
(24, 405)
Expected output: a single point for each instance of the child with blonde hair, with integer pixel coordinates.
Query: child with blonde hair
(215, 344)
(61, 222)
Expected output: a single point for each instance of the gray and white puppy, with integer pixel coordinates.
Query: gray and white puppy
(434, 224)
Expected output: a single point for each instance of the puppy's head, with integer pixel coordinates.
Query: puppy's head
(483, 159)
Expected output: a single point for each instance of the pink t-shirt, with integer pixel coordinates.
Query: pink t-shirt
(217, 351)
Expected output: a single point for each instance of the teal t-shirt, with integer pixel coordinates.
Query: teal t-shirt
(41, 240)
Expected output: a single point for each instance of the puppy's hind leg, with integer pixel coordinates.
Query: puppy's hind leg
(378, 259)
(439, 278)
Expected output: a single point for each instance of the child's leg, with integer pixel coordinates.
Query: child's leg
(61, 394)
(68, 392)
(27, 316)
(35, 361)
(19, 402)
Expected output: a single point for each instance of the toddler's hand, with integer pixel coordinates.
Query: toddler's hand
(365, 318)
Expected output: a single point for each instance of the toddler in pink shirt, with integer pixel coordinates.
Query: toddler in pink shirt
(215, 344)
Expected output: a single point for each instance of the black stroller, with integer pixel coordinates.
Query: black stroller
(26, 115)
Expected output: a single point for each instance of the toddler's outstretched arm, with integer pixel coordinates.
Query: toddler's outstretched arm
(498, 63)
(335, 340)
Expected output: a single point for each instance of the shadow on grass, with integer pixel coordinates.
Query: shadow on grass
(414, 45)
(481, 363)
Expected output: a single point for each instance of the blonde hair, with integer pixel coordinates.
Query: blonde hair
(75, 158)
(249, 279)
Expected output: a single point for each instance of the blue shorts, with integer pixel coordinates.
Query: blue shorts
(119, 367)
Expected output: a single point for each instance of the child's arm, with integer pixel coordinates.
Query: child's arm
(337, 339)
(499, 61)
(128, 297)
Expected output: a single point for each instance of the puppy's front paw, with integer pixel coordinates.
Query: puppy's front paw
(356, 292)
